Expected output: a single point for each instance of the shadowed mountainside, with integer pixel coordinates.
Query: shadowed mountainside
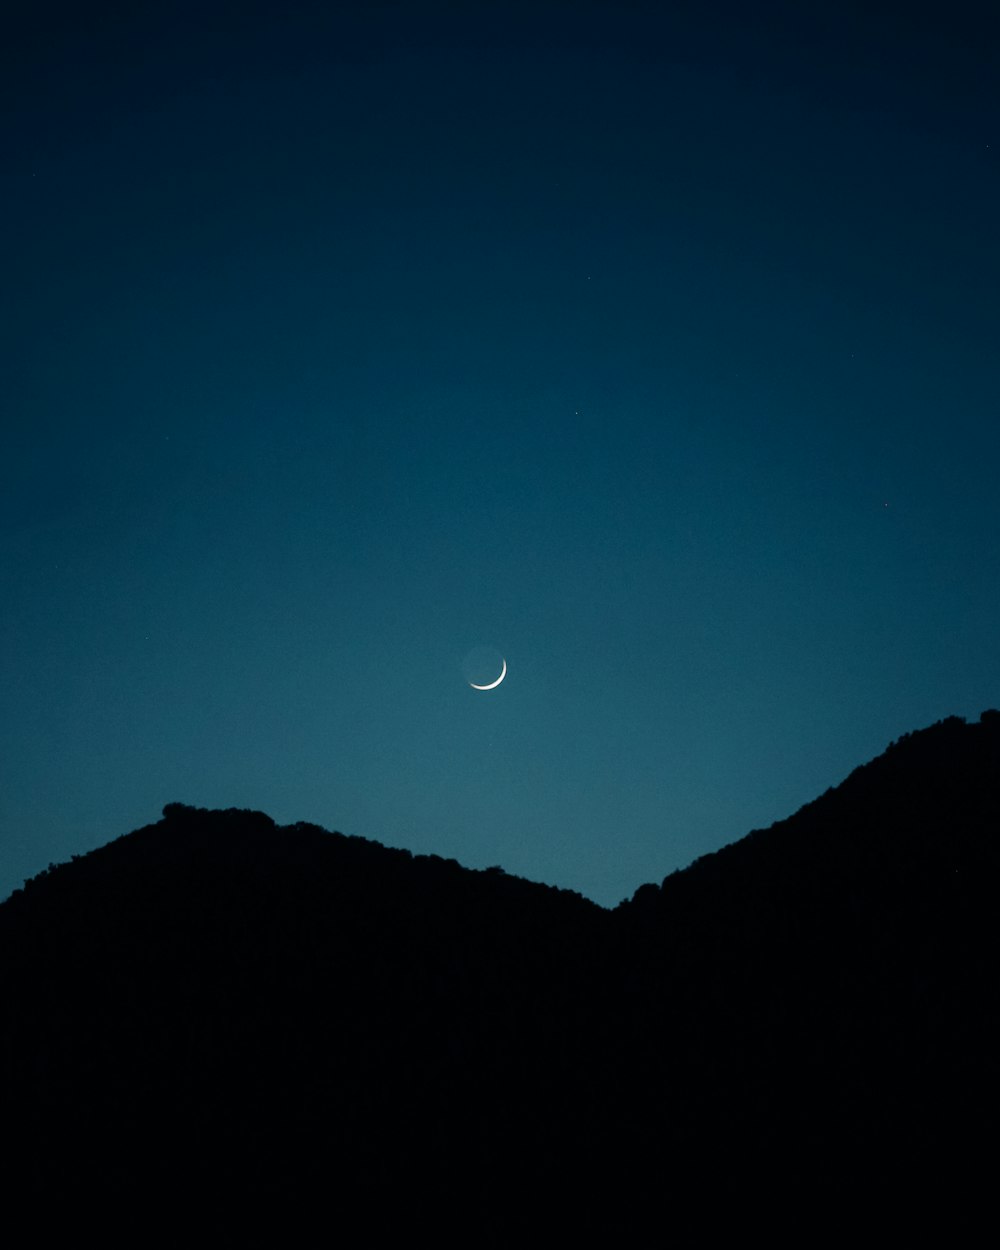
(214, 1009)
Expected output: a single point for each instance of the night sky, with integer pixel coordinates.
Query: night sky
(653, 347)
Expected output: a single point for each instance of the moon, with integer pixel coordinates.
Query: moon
(493, 684)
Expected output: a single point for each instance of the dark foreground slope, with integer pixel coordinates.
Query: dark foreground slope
(838, 978)
(215, 1005)
(214, 1010)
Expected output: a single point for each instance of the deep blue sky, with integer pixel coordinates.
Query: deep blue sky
(659, 352)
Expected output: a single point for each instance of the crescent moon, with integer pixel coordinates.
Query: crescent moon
(493, 684)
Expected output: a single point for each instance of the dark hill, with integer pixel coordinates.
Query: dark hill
(216, 1011)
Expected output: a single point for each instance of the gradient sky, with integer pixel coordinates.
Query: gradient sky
(657, 351)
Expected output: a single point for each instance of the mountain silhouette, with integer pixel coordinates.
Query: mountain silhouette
(215, 1013)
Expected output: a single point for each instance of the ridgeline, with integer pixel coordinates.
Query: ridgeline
(215, 1013)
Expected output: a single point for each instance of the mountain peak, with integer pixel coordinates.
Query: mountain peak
(259, 1009)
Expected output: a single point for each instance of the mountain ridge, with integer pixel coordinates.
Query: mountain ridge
(252, 1008)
